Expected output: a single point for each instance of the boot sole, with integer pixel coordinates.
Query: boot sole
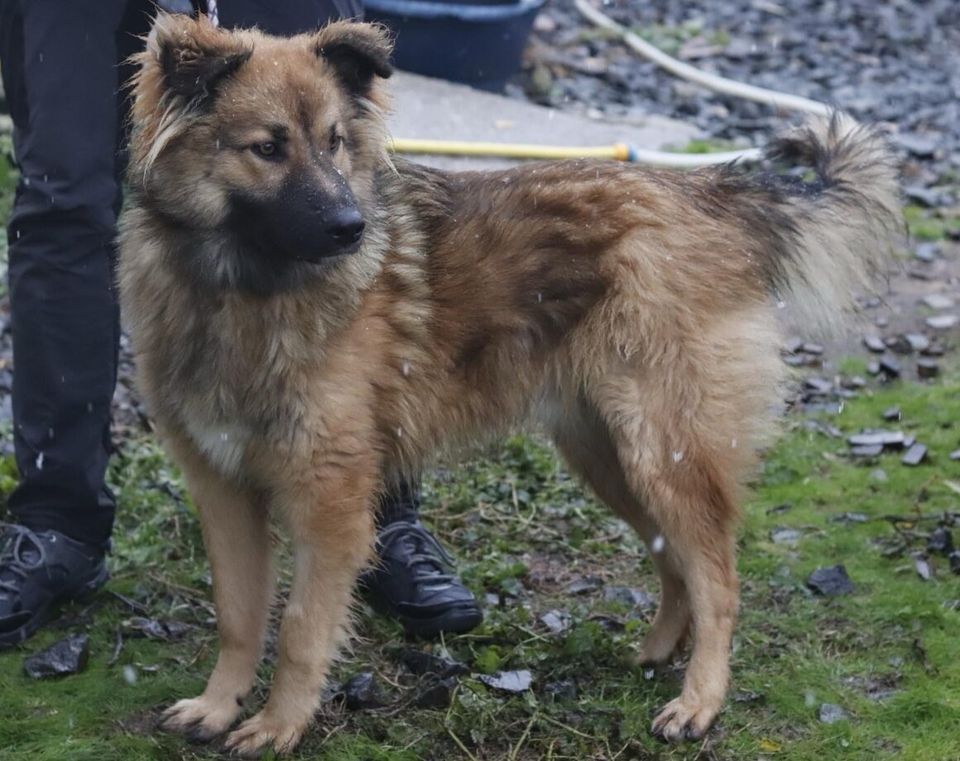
(457, 619)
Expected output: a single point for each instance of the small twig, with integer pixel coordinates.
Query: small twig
(116, 648)
(188, 591)
(459, 743)
(523, 737)
(567, 728)
(525, 522)
(335, 728)
(534, 636)
(415, 741)
(201, 653)
(135, 606)
(703, 747)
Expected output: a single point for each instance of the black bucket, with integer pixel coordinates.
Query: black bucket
(477, 42)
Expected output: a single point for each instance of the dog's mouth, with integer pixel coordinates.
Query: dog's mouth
(327, 256)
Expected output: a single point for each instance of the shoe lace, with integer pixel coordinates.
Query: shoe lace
(21, 552)
(426, 558)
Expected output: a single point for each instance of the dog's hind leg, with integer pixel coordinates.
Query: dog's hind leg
(688, 488)
(331, 523)
(237, 540)
(702, 548)
(585, 442)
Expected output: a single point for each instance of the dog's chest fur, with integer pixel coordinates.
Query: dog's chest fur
(222, 442)
(237, 382)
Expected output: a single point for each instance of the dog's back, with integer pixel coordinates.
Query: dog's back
(310, 319)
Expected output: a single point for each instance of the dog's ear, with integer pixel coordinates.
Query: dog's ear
(194, 56)
(356, 52)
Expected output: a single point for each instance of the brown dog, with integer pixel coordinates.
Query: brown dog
(312, 320)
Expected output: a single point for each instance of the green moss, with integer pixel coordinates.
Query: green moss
(523, 529)
(699, 145)
(925, 225)
(511, 516)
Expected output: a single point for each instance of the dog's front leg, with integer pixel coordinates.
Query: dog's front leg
(237, 540)
(332, 526)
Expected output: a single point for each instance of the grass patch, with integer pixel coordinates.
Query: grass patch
(523, 530)
(926, 225)
(707, 145)
(670, 38)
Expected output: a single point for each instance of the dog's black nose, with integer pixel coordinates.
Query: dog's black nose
(346, 227)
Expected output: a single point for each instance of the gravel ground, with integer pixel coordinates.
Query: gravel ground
(895, 62)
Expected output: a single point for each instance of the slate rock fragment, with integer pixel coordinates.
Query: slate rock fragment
(419, 662)
(563, 690)
(632, 596)
(942, 321)
(584, 585)
(891, 439)
(68, 656)
(940, 541)
(788, 536)
(508, 681)
(954, 558)
(437, 693)
(363, 691)
(830, 581)
(892, 413)
(916, 454)
(831, 714)
(890, 367)
(938, 302)
(556, 621)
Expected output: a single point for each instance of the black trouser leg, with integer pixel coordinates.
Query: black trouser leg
(59, 63)
(400, 503)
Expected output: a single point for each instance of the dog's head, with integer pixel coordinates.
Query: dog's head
(265, 146)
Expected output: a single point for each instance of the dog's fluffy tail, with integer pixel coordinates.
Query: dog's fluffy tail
(845, 223)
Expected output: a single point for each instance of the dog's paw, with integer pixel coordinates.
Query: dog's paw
(263, 731)
(683, 719)
(200, 719)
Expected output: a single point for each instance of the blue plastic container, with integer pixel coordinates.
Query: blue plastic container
(477, 42)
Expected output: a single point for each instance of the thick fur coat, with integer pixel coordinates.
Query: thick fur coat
(311, 320)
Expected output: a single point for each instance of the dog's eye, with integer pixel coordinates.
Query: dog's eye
(336, 140)
(265, 150)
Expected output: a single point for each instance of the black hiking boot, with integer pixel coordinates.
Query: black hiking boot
(414, 583)
(38, 570)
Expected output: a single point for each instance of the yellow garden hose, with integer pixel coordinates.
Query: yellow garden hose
(622, 151)
(618, 152)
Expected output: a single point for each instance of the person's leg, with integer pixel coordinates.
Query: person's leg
(59, 67)
(63, 308)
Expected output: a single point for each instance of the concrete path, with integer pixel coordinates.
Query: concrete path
(434, 109)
